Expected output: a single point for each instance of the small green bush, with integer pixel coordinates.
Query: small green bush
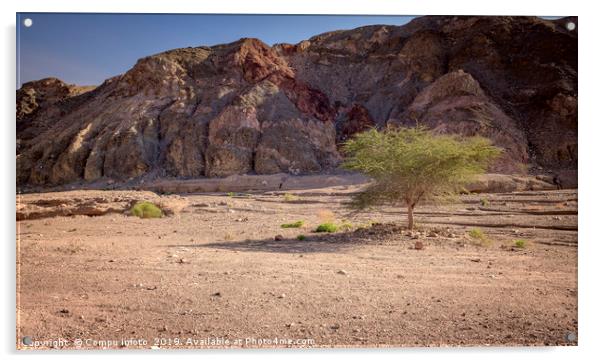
(301, 237)
(346, 226)
(477, 233)
(480, 237)
(288, 197)
(520, 243)
(327, 227)
(231, 194)
(368, 224)
(146, 210)
(296, 224)
(484, 202)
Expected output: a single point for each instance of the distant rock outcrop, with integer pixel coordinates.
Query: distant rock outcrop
(246, 107)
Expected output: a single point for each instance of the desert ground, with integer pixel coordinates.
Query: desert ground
(219, 271)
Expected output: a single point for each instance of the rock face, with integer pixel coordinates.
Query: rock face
(246, 107)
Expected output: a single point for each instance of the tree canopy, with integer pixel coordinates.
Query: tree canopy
(409, 165)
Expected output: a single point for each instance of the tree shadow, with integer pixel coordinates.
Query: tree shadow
(378, 233)
(297, 201)
(330, 243)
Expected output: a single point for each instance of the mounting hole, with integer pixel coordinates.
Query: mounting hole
(570, 25)
(27, 22)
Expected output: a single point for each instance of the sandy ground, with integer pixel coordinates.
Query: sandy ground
(213, 275)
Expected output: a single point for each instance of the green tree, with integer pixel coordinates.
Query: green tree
(410, 165)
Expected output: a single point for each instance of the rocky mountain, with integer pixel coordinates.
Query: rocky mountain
(246, 107)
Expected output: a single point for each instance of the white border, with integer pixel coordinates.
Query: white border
(589, 163)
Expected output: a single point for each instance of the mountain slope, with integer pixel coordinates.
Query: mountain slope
(246, 107)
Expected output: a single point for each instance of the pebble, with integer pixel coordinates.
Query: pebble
(342, 272)
(278, 237)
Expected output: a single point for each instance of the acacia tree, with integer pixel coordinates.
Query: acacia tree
(410, 165)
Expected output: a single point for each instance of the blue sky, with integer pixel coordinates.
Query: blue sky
(86, 49)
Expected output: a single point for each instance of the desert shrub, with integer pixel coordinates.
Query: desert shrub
(479, 237)
(410, 165)
(301, 237)
(484, 202)
(231, 194)
(520, 243)
(477, 233)
(346, 226)
(327, 227)
(146, 210)
(368, 224)
(288, 197)
(297, 224)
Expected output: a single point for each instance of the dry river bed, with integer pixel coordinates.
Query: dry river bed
(213, 275)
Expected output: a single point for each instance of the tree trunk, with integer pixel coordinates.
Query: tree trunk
(410, 217)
